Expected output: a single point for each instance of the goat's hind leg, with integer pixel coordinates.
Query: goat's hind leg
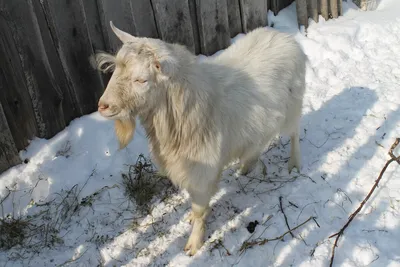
(249, 159)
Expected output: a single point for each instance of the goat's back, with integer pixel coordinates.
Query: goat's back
(261, 80)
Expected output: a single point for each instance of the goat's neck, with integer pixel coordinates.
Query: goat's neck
(183, 115)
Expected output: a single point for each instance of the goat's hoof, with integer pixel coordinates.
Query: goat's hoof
(190, 218)
(292, 165)
(193, 245)
(243, 171)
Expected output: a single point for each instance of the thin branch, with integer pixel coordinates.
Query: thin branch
(284, 215)
(261, 242)
(4, 199)
(294, 205)
(315, 220)
(354, 214)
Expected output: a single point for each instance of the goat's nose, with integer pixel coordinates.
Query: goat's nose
(103, 106)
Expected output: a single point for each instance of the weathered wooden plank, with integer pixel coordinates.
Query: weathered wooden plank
(143, 18)
(95, 29)
(235, 22)
(312, 8)
(340, 7)
(333, 8)
(302, 16)
(254, 14)
(212, 17)
(8, 151)
(324, 9)
(195, 26)
(74, 47)
(94, 24)
(69, 102)
(174, 22)
(120, 13)
(278, 5)
(14, 94)
(46, 96)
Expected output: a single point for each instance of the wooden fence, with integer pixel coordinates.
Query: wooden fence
(45, 76)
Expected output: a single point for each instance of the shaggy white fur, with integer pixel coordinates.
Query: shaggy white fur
(199, 116)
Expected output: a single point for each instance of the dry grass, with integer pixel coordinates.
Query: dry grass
(13, 232)
(30, 235)
(143, 185)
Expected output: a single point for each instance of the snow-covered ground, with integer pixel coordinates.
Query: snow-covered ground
(351, 116)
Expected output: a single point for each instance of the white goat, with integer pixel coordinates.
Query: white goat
(201, 115)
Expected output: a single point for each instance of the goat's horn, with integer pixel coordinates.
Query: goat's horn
(123, 36)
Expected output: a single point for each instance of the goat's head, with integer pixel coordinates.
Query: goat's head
(139, 69)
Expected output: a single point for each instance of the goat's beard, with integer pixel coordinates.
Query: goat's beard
(125, 129)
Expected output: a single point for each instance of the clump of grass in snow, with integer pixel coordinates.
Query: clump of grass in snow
(13, 232)
(142, 183)
(40, 230)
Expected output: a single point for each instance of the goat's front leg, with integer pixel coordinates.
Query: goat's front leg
(198, 216)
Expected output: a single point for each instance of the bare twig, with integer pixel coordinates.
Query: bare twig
(294, 205)
(354, 214)
(4, 199)
(6, 196)
(219, 243)
(260, 242)
(315, 220)
(284, 215)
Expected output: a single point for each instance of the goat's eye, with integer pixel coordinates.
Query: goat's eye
(141, 81)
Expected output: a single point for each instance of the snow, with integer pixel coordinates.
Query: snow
(350, 119)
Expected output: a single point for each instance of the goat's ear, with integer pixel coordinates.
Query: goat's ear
(102, 61)
(123, 36)
(124, 129)
(167, 66)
